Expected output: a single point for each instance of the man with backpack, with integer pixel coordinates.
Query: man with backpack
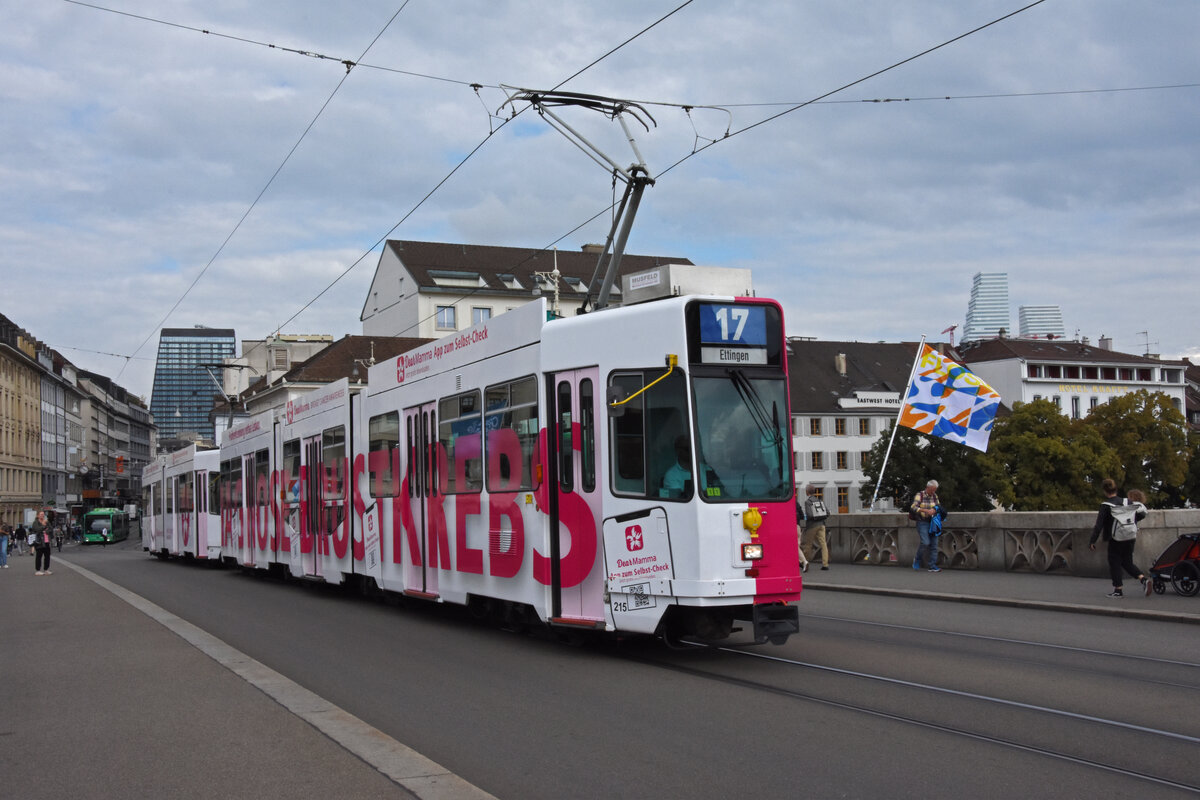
(924, 507)
(1116, 523)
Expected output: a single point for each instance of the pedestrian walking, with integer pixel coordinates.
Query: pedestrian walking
(800, 533)
(924, 506)
(815, 515)
(1116, 523)
(5, 535)
(42, 533)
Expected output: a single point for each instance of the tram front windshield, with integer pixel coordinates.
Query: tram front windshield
(741, 436)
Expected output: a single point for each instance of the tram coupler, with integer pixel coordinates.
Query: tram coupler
(775, 622)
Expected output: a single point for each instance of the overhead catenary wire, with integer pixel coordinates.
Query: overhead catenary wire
(263, 191)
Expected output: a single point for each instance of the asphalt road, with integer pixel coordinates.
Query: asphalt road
(877, 696)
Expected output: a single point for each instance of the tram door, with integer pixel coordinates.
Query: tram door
(312, 542)
(421, 490)
(576, 581)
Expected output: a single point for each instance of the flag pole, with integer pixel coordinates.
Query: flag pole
(896, 424)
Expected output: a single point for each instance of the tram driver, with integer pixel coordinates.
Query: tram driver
(677, 482)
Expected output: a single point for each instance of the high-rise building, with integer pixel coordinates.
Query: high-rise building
(1041, 322)
(987, 311)
(183, 388)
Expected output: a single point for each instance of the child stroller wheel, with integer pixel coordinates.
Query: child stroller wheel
(1160, 586)
(1185, 577)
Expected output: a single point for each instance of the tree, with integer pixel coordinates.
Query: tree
(915, 458)
(1148, 434)
(1039, 460)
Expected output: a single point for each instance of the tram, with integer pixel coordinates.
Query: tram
(625, 471)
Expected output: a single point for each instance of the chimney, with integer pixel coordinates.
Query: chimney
(839, 362)
(1105, 342)
(593, 249)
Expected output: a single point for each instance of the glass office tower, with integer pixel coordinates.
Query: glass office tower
(183, 391)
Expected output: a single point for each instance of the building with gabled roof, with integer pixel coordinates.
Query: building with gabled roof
(1074, 375)
(430, 289)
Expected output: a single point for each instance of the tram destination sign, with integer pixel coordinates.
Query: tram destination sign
(734, 333)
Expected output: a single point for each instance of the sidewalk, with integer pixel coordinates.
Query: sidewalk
(108, 699)
(1016, 589)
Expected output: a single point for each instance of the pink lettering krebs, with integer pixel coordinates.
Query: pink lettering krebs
(291, 414)
(400, 369)
(633, 538)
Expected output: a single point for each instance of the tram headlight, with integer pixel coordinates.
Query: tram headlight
(752, 551)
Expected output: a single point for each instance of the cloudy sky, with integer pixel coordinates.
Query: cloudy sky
(141, 156)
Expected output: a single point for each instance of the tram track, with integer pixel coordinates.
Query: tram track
(1002, 640)
(1098, 727)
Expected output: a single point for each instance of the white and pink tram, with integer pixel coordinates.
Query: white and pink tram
(627, 470)
(180, 502)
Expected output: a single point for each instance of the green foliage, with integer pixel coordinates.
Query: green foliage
(1039, 460)
(915, 458)
(1148, 435)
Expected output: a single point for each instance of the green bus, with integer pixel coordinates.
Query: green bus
(102, 525)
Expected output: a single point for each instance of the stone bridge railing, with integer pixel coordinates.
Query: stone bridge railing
(1013, 541)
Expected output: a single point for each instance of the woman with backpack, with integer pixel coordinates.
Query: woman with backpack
(1116, 523)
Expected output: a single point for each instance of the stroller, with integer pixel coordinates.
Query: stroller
(1179, 564)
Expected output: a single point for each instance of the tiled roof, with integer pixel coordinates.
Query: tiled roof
(339, 359)
(495, 265)
(816, 384)
(1061, 350)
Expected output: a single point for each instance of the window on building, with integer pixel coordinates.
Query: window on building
(1145, 374)
(1037, 397)
(1057, 402)
(817, 461)
(864, 426)
(446, 319)
(843, 499)
(814, 426)
(843, 460)
(1053, 371)
(1074, 408)
(1091, 373)
(1034, 370)
(480, 314)
(1092, 403)
(1071, 373)
(1108, 373)
(839, 426)
(1126, 373)
(819, 493)
(1172, 376)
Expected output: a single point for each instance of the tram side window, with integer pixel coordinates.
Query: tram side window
(226, 487)
(185, 492)
(333, 463)
(646, 434)
(170, 495)
(214, 492)
(511, 422)
(384, 445)
(460, 436)
(291, 471)
(235, 483)
(262, 478)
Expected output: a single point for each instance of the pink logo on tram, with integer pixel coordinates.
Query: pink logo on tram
(633, 538)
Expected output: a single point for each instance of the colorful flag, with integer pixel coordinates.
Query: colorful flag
(948, 400)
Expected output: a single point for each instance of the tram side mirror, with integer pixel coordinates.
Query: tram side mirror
(614, 401)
